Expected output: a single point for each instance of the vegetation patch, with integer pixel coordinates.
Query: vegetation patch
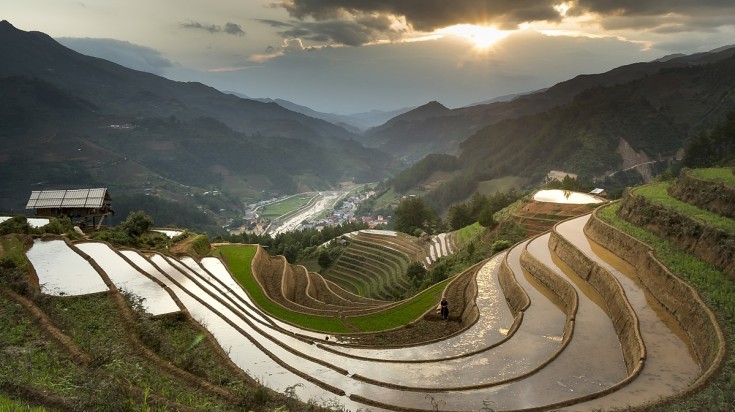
(238, 259)
(501, 184)
(716, 174)
(290, 204)
(658, 193)
(400, 315)
(468, 233)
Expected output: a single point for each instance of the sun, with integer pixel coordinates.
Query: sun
(481, 37)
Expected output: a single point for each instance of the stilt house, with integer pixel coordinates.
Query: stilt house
(85, 207)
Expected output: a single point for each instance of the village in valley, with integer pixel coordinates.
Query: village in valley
(346, 209)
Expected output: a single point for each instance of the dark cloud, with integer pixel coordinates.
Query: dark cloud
(121, 52)
(348, 32)
(427, 15)
(232, 28)
(351, 32)
(229, 28)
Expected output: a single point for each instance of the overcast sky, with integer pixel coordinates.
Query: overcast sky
(348, 56)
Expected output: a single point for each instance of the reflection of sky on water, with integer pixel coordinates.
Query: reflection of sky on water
(565, 196)
(61, 271)
(156, 300)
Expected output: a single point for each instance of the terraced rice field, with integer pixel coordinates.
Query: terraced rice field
(558, 321)
(374, 263)
(561, 349)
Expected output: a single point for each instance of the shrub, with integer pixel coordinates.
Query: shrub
(137, 223)
(16, 224)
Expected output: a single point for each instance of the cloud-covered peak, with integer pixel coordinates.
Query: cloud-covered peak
(123, 53)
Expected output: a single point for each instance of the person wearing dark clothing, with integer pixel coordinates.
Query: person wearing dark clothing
(444, 308)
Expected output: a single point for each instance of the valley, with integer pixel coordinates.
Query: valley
(569, 248)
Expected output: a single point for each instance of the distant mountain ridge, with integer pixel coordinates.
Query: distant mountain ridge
(444, 133)
(68, 120)
(356, 123)
(110, 85)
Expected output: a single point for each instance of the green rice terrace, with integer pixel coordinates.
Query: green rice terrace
(617, 306)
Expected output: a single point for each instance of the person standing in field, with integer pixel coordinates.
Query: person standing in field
(444, 308)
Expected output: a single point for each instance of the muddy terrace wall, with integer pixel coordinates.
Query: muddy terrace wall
(621, 313)
(470, 313)
(517, 299)
(677, 297)
(705, 194)
(552, 281)
(710, 244)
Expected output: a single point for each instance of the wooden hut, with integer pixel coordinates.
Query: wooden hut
(85, 207)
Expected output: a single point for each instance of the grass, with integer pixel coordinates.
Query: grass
(402, 314)
(28, 359)
(390, 197)
(239, 257)
(10, 405)
(284, 206)
(501, 184)
(722, 175)
(467, 233)
(120, 365)
(716, 289)
(658, 193)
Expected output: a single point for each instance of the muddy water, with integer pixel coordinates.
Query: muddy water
(506, 361)
(553, 383)
(507, 396)
(670, 364)
(62, 271)
(240, 349)
(594, 357)
(491, 328)
(156, 300)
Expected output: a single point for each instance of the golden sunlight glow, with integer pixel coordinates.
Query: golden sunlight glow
(481, 36)
(563, 7)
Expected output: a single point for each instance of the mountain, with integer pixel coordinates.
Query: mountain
(505, 98)
(443, 133)
(402, 136)
(69, 120)
(356, 123)
(115, 88)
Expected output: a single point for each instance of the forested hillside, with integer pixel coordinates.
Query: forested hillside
(70, 121)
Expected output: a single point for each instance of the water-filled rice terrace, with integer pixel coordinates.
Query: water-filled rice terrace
(582, 317)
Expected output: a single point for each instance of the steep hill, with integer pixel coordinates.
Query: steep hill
(73, 120)
(654, 115)
(442, 133)
(116, 89)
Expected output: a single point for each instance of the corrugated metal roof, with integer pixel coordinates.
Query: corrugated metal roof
(82, 198)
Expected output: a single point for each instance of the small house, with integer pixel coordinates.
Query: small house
(598, 192)
(83, 206)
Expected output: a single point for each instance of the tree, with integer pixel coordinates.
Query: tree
(486, 218)
(412, 213)
(136, 224)
(324, 259)
(459, 216)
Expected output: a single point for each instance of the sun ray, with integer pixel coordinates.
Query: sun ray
(481, 37)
